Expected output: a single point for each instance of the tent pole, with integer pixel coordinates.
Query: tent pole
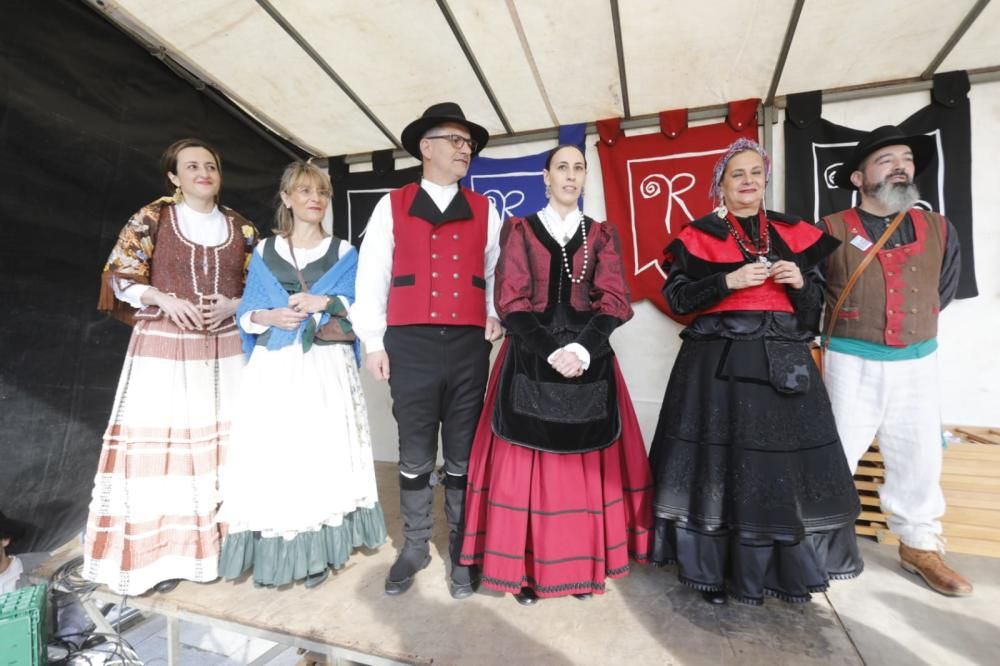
(960, 31)
(769, 118)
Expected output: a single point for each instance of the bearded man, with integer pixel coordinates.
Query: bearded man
(881, 368)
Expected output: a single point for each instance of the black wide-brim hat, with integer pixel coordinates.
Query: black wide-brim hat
(438, 114)
(923, 148)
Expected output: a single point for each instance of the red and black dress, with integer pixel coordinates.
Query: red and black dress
(753, 493)
(559, 494)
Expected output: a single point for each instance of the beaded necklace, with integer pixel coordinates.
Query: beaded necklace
(760, 249)
(543, 215)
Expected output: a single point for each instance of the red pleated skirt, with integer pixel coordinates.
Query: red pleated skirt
(559, 523)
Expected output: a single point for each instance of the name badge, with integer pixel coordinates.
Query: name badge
(861, 243)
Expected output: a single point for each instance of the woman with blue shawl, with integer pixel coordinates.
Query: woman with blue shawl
(298, 489)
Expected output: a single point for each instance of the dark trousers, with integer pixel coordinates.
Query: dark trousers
(437, 378)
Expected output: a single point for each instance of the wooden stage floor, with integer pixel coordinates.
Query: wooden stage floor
(885, 616)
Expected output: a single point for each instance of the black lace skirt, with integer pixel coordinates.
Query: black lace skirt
(753, 492)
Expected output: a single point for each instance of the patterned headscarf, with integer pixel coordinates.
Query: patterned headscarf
(738, 146)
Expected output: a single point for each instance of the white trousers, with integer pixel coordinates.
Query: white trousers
(899, 402)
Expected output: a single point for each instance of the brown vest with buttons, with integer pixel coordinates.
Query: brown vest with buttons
(895, 301)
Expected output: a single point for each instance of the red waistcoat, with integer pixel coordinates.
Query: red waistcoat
(438, 274)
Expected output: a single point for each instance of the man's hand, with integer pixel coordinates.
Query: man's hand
(378, 364)
(494, 331)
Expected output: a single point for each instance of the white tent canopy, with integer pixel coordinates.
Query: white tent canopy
(344, 77)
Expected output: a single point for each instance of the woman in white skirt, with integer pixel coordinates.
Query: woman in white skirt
(176, 273)
(298, 493)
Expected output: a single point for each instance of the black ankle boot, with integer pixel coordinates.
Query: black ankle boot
(412, 559)
(526, 597)
(416, 498)
(165, 586)
(714, 597)
(462, 580)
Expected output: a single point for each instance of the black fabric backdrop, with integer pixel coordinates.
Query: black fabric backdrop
(356, 194)
(814, 149)
(84, 115)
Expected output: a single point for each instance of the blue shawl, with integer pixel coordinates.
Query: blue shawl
(264, 292)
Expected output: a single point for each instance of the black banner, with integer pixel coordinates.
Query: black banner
(356, 194)
(816, 148)
(84, 115)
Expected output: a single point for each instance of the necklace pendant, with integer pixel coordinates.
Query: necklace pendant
(761, 259)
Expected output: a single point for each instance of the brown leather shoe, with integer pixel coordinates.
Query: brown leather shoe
(929, 565)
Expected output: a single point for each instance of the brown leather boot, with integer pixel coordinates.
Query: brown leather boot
(929, 565)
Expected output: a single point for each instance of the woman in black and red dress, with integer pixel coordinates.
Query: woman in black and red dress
(753, 493)
(559, 488)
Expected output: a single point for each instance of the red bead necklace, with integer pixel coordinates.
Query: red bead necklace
(752, 251)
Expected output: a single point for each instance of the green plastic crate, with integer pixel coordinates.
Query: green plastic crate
(23, 635)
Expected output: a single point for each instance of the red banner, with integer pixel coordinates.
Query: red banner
(654, 184)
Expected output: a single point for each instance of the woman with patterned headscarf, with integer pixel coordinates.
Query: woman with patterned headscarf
(753, 494)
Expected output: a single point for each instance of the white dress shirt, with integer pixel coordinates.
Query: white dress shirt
(206, 229)
(375, 265)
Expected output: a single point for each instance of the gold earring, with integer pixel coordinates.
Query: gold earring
(178, 195)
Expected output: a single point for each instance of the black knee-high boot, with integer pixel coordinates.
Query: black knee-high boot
(416, 501)
(463, 580)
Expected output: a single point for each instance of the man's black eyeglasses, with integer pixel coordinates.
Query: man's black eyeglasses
(456, 141)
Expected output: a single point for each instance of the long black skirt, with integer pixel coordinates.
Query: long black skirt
(753, 492)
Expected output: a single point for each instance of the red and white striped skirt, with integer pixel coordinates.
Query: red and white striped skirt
(152, 514)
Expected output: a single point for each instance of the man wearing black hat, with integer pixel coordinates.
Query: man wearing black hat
(881, 366)
(425, 312)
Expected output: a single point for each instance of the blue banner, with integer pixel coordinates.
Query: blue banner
(515, 184)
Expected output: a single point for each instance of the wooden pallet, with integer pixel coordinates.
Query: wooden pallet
(970, 479)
